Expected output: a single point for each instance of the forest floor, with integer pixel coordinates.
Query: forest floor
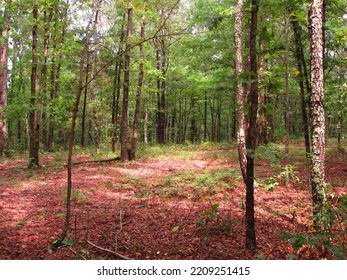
(172, 203)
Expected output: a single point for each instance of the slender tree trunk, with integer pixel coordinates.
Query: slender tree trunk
(85, 104)
(139, 93)
(286, 101)
(317, 112)
(240, 97)
(161, 56)
(3, 82)
(34, 128)
(43, 78)
(115, 104)
(125, 126)
(95, 121)
(117, 87)
(205, 116)
(299, 57)
(66, 228)
(146, 119)
(193, 126)
(56, 70)
(251, 138)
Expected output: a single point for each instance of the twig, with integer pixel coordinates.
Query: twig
(108, 251)
(119, 231)
(73, 251)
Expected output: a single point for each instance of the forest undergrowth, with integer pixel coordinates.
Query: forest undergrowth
(174, 202)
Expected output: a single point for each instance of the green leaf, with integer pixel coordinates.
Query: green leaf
(84, 251)
(175, 229)
(69, 242)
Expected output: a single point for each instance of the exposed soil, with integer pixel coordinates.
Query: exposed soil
(156, 208)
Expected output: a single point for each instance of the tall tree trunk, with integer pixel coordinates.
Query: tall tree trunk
(125, 126)
(56, 69)
(161, 56)
(3, 82)
(43, 79)
(251, 138)
(240, 97)
(300, 64)
(286, 101)
(85, 104)
(317, 112)
(193, 126)
(117, 87)
(262, 112)
(146, 119)
(205, 116)
(139, 93)
(95, 121)
(34, 127)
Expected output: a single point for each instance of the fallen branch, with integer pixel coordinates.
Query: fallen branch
(95, 161)
(108, 251)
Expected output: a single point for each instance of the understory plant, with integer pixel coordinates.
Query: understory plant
(332, 240)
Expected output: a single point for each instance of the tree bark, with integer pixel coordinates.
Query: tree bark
(302, 77)
(43, 78)
(317, 112)
(34, 127)
(125, 126)
(117, 89)
(95, 121)
(139, 93)
(56, 70)
(287, 74)
(251, 138)
(3, 82)
(240, 97)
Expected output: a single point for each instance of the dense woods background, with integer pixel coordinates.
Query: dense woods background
(114, 77)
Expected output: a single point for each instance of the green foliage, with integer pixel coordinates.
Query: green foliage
(212, 219)
(269, 152)
(325, 241)
(143, 192)
(287, 174)
(209, 216)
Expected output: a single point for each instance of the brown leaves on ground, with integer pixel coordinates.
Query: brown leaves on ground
(156, 208)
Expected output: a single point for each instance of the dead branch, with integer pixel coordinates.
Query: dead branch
(108, 251)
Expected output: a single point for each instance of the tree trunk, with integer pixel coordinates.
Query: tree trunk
(66, 228)
(139, 93)
(85, 104)
(34, 128)
(125, 127)
(317, 112)
(300, 64)
(286, 101)
(3, 82)
(95, 121)
(43, 79)
(55, 71)
(240, 97)
(251, 138)
(117, 87)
